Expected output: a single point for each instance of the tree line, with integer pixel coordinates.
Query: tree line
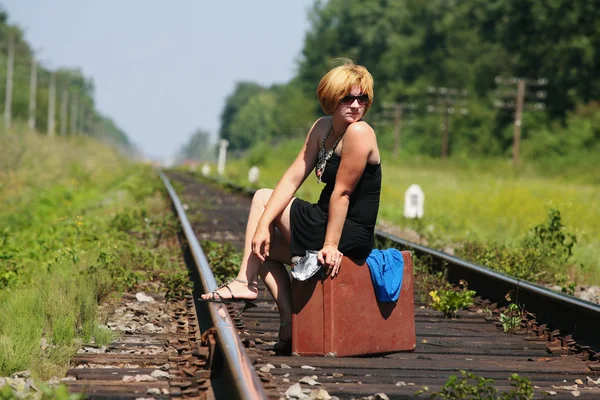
(445, 68)
(53, 102)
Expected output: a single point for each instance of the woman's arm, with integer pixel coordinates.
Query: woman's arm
(289, 183)
(359, 142)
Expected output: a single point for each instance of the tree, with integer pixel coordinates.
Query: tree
(255, 122)
(243, 92)
(198, 147)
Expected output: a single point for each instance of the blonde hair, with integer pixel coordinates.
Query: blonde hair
(339, 82)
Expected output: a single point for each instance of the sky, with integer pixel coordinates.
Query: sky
(164, 69)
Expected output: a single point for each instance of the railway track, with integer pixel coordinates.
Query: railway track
(555, 350)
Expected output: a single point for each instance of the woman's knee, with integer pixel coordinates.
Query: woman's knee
(261, 197)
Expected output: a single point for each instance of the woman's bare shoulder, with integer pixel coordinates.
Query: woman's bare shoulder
(360, 130)
(323, 122)
(320, 126)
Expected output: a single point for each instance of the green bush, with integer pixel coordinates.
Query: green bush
(540, 256)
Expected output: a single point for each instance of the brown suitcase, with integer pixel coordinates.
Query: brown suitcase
(342, 317)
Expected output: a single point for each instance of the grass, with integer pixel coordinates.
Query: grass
(480, 200)
(64, 247)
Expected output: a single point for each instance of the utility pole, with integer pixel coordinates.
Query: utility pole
(397, 129)
(398, 112)
(74, 113)
(443, 101)
(82, 117)
(51, 100)
(517, 101)
(32, 93)
(63, 112)
(9, 82)
(518, 121)
(90, 121)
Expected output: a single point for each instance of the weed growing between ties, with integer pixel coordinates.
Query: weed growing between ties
(470, 386)
(511, 318)
(450, 300)
(79, 223)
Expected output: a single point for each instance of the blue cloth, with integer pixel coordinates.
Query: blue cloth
(387, 270)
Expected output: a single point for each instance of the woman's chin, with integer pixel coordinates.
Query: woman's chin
(352, 118)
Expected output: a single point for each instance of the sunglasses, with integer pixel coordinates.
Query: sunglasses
(361, 98)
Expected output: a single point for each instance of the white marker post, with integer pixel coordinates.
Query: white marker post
(253, 174)
(414, 200)
(205, 169)
(222, 156)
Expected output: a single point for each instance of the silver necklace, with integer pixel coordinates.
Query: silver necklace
(325, 155)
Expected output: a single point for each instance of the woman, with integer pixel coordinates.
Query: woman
(343, 150)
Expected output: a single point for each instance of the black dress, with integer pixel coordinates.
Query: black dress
(308, 222)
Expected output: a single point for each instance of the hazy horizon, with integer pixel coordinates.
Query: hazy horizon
(162, 72)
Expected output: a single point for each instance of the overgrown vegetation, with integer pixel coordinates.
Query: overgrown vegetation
(176, 284)
(471, 386)
(79, 223)
(543, 255)
(224, 260)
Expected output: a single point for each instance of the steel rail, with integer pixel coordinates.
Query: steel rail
(239, 367)
(571, 315)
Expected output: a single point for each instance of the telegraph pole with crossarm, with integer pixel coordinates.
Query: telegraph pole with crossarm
(518, 100)
(446, 101)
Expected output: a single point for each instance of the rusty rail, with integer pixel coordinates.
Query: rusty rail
(246, 383)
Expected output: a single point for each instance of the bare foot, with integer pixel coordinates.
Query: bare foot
(236, 289)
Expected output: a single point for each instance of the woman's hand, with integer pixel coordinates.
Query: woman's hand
(261, 242)
(331, 258)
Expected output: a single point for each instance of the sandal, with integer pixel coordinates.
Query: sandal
(217, 298)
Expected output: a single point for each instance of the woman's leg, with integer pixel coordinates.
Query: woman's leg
(245, 285)
(277, 280)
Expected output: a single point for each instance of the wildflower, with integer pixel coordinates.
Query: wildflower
(434, 296)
